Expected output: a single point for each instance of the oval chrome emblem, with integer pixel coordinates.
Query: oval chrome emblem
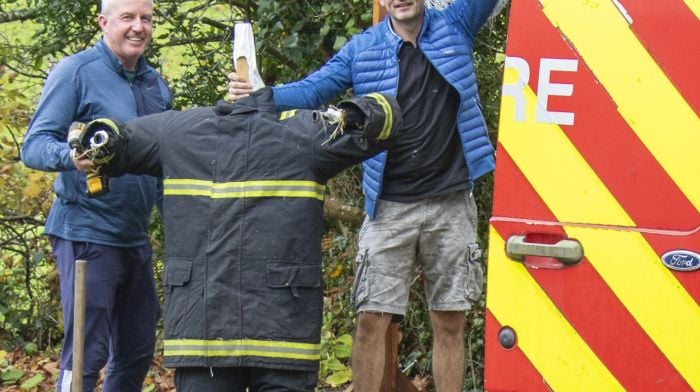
(681, 260)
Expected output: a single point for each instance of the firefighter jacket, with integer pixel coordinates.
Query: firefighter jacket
(243, 212)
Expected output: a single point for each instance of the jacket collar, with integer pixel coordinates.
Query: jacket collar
(113, 62)
(259, 101)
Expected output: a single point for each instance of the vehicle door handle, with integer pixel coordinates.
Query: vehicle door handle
(544, 250)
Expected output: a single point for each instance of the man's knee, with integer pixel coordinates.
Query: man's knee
(372, 326)
(448, 323)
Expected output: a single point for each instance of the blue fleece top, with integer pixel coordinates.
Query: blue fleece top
(82, 87)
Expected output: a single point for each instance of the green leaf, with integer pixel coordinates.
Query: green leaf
(343, 351)
(31, 348)
(291, 41)
(32, 382)
(345, 339)
(339, 42)
(11, 375)
(339, 378)
(334, 364)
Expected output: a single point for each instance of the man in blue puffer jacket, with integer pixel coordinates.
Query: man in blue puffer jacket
(418, 195)
(110, 79)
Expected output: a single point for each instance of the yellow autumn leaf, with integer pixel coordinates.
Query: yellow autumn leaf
(336, 271)
(36, 183)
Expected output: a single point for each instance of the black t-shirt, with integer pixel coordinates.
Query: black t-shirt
(427, 158)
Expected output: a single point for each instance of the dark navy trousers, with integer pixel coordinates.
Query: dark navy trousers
(242, 379)
(120, 313)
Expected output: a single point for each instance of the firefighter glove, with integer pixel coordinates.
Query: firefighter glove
(95, 140)
(377, 114)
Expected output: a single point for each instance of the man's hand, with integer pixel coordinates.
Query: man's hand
(93, 144)
(238, 87)
(76, 134)
(82, 163)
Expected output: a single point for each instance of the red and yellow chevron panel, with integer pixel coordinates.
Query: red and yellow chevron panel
(599, 143)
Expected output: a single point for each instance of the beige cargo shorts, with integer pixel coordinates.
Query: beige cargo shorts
(435, 237)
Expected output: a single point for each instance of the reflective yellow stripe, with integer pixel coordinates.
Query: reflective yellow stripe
(239, 189)
(187, 181)
(388, 115)
(288, 114)
(572, 366)
(241, 347)
(645, 97)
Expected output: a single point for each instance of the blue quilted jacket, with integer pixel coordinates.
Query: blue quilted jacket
(369, 63)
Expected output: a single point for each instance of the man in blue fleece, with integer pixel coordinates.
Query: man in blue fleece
(418, 194)
(111, 79)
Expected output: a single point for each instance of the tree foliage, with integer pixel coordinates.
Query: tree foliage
(192, 48)
(25, 291)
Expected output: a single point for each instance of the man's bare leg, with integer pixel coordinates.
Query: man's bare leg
(448, 350)
(368, 351)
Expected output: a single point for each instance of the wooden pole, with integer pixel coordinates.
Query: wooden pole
(378, 12)
(79, 298)
(242, 69)
(391, 358)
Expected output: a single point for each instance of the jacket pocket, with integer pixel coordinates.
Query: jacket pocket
(177, 272)
(475, 273)
(293, 276)
(291, 305)
(360, 291)
(183, 305)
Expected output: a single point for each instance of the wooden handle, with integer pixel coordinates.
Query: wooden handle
(242, 69)
(79, 297)
(378, 12)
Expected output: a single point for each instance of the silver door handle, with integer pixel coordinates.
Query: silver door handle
(566, 251)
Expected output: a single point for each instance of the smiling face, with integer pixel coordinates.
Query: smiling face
(405, 11)
(127, 27)
(406, 16)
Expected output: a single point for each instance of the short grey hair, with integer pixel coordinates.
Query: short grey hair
(105, 5)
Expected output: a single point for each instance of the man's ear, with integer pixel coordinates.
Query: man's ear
(102, 21)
